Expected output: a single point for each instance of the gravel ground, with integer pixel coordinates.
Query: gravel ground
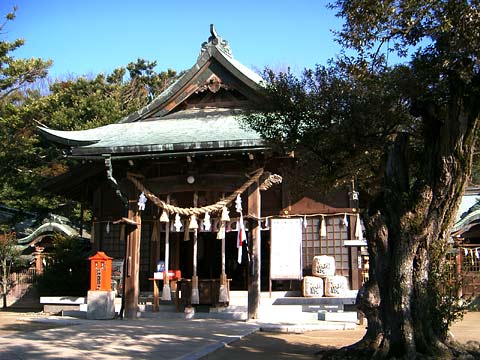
(279, 346)
(259, 345)
(14, 322)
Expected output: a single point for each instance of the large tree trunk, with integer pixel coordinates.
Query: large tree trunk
(406, 226)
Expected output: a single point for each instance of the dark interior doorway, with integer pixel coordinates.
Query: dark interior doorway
(209, 259)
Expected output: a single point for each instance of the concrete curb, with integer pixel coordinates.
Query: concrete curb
(301, 328)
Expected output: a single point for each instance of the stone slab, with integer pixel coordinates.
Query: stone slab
(314, 301)
(62, 300)
(323, 307)
(56, 308)
(346, 317)
(101, 305)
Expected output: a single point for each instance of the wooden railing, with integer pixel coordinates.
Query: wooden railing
(28, 276)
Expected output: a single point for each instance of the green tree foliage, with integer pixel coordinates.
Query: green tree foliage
(67, 271)
(15, 139)
(15, 73)
(9, 259)
(335, 120)
(26, 160)
(407, 133)
(145, 83)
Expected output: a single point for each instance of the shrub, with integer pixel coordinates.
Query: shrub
(67, 269)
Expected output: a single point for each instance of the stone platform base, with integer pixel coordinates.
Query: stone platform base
(101, 305)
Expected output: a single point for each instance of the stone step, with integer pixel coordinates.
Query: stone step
(348, 316)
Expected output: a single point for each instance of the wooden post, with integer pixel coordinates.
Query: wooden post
(195, 296)
(223, 294)
(166, 292)
(255, 241)
(133, 267)
(355, 273)
(458, 269)
(156, 305)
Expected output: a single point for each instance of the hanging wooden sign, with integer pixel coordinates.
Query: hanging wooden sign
(286, 249)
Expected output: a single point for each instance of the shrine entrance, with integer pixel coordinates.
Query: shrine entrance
(209, 259)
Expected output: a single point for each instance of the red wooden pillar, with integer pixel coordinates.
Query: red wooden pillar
(255, 241)
(458, 269)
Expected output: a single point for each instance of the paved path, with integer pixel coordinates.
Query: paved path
(177, 338)
(284, 346)
(122, 339)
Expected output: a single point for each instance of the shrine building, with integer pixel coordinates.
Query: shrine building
(183, 184)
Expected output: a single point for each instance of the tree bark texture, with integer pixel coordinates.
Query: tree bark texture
(410, 217)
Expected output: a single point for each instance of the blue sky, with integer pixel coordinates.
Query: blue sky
(93, 36)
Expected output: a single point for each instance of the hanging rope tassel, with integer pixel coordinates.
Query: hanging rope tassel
(195, 298)
(221, 231)
(323, 228)
(358, 228)
(178, 223)
(206, 222)
(224, 296)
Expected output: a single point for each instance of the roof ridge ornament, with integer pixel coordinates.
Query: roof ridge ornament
(217, 41)
(214, 36)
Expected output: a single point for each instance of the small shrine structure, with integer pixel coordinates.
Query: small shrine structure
(184, 182)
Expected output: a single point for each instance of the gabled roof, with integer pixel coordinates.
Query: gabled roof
(216, 49)
(170, 123)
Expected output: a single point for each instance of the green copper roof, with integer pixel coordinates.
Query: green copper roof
(48, 228)
(159, 128)
(187, 130)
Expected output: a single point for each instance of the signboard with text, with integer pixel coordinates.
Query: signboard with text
(286, 249)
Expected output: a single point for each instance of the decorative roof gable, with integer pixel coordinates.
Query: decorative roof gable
(215, 71)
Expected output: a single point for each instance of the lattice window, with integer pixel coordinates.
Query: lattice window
(471, 262)
(111, 242)
(332, 244)
(145, 247)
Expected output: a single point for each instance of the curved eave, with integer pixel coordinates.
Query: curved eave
(67, 138)
(466, 223)
(48, 228)
(187, 131)
(166, 149)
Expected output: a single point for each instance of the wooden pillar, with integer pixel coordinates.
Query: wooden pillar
(39, 256)
(458, 269)
(166, 292)
(255, 241)
(354, 272)
(132, 285)
(195, 299)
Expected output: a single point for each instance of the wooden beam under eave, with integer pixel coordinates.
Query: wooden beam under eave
(207, 182)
